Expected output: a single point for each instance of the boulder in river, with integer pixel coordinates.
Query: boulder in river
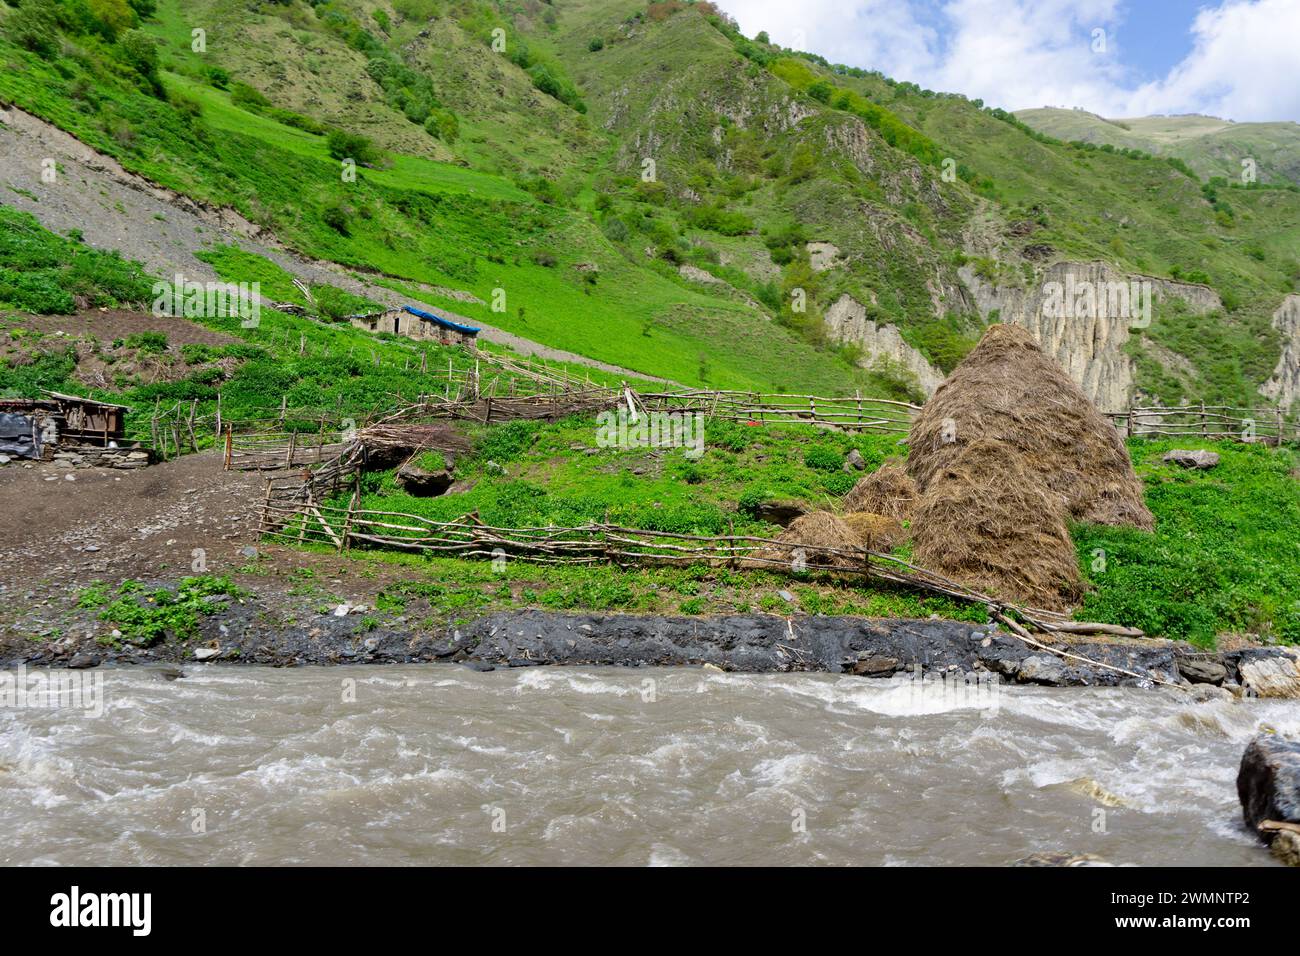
(1277, 675)
(1268, 783)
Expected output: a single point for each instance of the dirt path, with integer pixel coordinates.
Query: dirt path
(117, 209)
(71, 528)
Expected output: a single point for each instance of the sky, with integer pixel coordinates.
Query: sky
(1237, 59)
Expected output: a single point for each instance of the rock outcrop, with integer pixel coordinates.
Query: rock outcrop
(1268, 784)
(1283, 386)
(1088, 342)
(846, 321)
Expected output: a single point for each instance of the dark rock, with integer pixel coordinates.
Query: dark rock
(780, 512)
(1268, 782)
(1043, 669)
(1191, 459)
(84, 660)
(1199, 670)
(874, 666)
(854, 461)
(423, 484)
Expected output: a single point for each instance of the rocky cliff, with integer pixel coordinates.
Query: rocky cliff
(846, 321)
(1086, 335)
(1284, 385)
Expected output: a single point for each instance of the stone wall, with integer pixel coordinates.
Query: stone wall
(91, 456)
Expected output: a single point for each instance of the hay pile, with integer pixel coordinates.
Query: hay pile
(989, 521)
(875, 532)
(886, 491)
(1008, 391)
(1007, 452)
(814, 539)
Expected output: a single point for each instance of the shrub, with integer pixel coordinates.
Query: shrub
(823, 458)
(335, 215)
(354, 146)
(241, 94)
(35, 27)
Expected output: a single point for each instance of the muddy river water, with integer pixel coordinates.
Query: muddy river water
(428, 764)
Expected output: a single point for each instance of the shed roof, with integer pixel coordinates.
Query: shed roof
(83, 400)
(439, 320)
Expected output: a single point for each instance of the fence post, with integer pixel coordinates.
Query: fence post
(1204, 422)
(229, 446)
(353, 502)
(293, 442)
(1128, 422)
(264, 524)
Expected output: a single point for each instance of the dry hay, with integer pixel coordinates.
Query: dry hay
(875, 532)
(989, 520)
(888, 491)
(817, 539)
(1007, 392)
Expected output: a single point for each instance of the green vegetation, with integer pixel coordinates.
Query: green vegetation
(1222, 559)
(581, 171)
(145, 617)
(42, 272)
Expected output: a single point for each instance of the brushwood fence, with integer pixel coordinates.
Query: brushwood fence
(1207, 423)
(307, 509)
(855, 413)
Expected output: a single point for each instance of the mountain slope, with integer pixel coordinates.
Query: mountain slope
(1210, 146)
(644, 185)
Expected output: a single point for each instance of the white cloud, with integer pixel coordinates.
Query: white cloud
(1023, 53)
(1243, 65)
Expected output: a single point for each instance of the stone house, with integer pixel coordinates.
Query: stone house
(418, 324)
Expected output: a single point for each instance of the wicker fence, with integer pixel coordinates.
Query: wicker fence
(1207, 422)
(305, 509)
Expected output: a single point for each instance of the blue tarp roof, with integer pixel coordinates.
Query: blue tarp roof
(439, 320)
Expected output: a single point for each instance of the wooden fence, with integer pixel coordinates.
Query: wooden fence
(1207, 422)
(855, 413)
(305, 509)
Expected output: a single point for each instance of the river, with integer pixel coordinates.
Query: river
(437, 764)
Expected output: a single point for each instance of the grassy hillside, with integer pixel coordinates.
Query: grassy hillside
(1210, 146)
(641, 183)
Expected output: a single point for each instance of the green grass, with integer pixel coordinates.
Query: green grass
(1223, 557)
(146, 617)
(42, 272)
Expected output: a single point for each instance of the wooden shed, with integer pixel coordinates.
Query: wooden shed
(88, 421)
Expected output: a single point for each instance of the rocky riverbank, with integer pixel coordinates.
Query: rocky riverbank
(241, 632)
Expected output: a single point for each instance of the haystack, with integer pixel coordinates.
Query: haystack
(988, 520)
(875, 532)
(1010, 398)
(886, 491)
(817, 539)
